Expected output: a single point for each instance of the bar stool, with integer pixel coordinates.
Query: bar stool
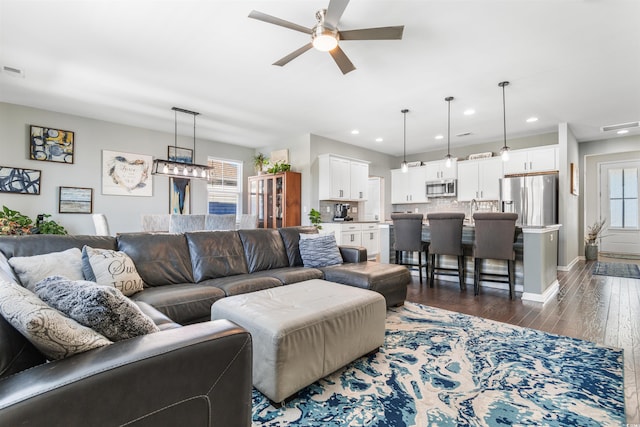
(446, 239)
(407, 231)
(495, 235)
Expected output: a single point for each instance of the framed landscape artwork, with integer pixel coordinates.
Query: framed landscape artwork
(574, 179)
(179, 154)
(18, 180)
(51, 145)
(75, 200)
(179, 188)
(126, 174)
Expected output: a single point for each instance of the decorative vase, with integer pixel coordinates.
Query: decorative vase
(591, 251)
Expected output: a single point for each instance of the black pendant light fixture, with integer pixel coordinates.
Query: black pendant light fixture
(504, 151)
(448, 156)
(175, 167)
(404, 166)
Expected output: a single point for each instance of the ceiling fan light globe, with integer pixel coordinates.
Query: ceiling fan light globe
(324, 39)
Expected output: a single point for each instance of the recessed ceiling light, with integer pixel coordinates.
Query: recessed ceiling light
(622, 131)
(439, 136)
(532, 119)
(379, 140)
(355, 132)
(469, 112)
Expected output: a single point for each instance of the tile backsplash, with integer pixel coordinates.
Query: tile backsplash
(448, 205)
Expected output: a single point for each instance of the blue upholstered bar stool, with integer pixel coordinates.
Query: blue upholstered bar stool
(446, 239)
(407, 231)
(495, 236)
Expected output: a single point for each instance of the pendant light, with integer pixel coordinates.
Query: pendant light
(180, 168)
(448, 156)
(404, 166)
(504, 151)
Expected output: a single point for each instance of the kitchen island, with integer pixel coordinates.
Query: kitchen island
(536, 259)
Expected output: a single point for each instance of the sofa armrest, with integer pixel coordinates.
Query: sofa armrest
(197, 375)
(353, 253)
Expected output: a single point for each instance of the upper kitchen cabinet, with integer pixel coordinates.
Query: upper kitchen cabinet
(479, 179)
(531, 160)
(341, 178)
(438, 170)
(409, 187)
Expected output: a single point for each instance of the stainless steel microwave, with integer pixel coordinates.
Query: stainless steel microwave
(442, 188)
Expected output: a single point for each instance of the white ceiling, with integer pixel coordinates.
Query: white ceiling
(130, 61)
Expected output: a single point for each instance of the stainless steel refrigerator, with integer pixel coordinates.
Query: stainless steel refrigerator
(533, 197)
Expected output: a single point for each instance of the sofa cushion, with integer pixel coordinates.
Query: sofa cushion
(111, 268)
(216, 254)
(102, 308)
(37, 244)
(289, 275)
(161, 259)
(183, 303)
(319, 250)
(263, 249)
(32, 269)
(51, 332)
(291, 238)
(243, 283)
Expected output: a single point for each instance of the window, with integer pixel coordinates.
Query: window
(224, 187)
(623, 197)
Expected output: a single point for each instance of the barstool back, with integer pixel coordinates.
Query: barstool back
(495, 235)
(446, 233)
(407, 229)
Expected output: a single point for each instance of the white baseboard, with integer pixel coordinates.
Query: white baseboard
(549, 293)
(571, 264)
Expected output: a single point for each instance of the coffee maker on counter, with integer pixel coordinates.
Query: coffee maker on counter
(341, 212)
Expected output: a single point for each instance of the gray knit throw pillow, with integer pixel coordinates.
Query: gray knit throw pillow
(319, 250)
(102, 308)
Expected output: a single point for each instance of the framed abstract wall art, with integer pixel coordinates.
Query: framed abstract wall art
(18, 180)
(51, 145)
(179, 154)
(126, 174)
(75, 200)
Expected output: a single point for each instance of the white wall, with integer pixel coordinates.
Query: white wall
(568, 204)
(91, 137)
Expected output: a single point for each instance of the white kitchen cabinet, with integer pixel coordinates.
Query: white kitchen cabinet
(531, 160)
(438, 170)
(348, 233)
(340, 178)
(479, 179)
(409, 187)
(359, 175)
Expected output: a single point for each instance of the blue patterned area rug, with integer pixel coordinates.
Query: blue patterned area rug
(440, 368)
(616, 269)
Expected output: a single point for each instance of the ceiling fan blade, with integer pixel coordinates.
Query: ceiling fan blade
(382, 33)
(277, 21)
(293, 55)
(334, 12)
(341, 59)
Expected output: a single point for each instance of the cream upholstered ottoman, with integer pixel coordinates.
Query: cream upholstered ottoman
(304, 331)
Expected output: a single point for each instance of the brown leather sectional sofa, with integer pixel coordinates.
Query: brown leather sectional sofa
(196, 375)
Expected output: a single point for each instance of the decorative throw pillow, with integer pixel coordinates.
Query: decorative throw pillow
(51, 332)
(103, 308)
(111, 268)
(32, 269)
(319, 250)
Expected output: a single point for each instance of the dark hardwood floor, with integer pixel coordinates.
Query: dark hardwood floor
(601, 309)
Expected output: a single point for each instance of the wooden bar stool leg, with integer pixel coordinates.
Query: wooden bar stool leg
(511, 271)
(420, 265)
(463, 285)
(476, 276)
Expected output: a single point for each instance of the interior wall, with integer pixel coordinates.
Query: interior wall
(91, 137)
(591, 154)
(568, 204)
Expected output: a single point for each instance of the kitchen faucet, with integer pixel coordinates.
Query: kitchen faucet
(473, 206)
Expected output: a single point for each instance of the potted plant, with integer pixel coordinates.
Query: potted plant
(594, 232)
(259, 162)
(15, 223)
(315, 218)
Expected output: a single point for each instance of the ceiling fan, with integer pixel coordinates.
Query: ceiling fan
(325, 34)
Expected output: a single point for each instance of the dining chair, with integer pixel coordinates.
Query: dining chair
(182, 223)
(495, 234)
(407, 230)
(220, 222)
(155, 222)
(446, 239)
(101, 225)
(248, 221)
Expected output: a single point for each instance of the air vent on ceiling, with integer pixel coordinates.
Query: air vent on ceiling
(620, 126)
(463, 134)
(13, 71)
